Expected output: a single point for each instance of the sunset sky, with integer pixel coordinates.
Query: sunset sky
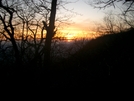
(85, 18)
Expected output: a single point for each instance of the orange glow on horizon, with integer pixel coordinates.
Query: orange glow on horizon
(73, 32)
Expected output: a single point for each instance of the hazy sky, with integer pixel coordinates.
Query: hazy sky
(87, 12)
(87, 15)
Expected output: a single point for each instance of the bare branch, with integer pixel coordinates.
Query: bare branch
(107, 3)
(3, 33)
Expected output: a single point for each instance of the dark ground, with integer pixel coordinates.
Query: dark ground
(103, 62)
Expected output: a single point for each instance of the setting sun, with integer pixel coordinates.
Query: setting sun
(70, 36)
(74, 32)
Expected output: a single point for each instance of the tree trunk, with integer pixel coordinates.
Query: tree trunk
(16, 50)
(49, 34)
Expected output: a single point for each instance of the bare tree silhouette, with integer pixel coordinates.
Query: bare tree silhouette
(8, 13)
(30, 27)
(50, 32)
(107, 3)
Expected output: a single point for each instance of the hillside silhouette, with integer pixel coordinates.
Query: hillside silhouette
(106, 60)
